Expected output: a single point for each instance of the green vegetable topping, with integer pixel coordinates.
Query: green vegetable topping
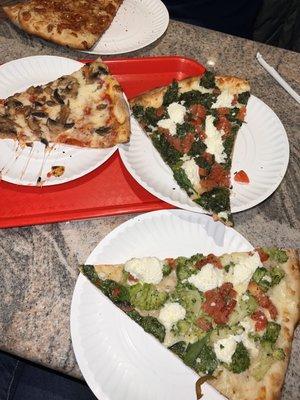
(268, 278)
(243, 309)
(201, 356)
(168, 153)
(150, 117)
(243, 97)
(240, 360)
(171, 94)
(190, 299)
(277, 255)
(183, 129)
(279, 354)
(138, 111)
(166, 270)
(272, 332)
(264, 361)
(198, 148)
(208, 80)
(91, 274)
(146, 297)
(179, 348)
(216, 200)
(185, 267)
(276, 274)
(186, 329)
(149, 324)
(183, 181)
(196, 97)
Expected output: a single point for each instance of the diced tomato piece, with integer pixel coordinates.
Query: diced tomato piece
(87, 110)
(171, 262)
(241, 177)
(209, 259)
(217, 177)
(241, 114)
(208, 157)
(187, 142)
(203, 172)
(160, 111)
(262, 255)
(219, 303)
(198, 110)
(272, 310)
(234, 100)
(223, 110)
(224, 125)
(260, 320)
(204, 324)
(262, 299)
(116, 292)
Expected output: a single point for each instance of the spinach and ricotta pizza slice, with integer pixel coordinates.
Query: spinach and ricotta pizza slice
(193, 124)
(229, 317)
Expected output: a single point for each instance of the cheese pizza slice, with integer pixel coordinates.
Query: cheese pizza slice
(228, 317)
(86, 108)
(193, 123)
(73, 23)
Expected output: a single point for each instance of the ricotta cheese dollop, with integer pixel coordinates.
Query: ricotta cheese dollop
(170, 314)
(223, 100)
(146, 269)
(192, 172)
(244, 269)
(207, 278)
(225, 348)
(176, 112)
(213, 140)
(167, 124)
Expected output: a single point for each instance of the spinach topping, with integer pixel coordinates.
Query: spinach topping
(208, 80)
(149, 324)
(171, 94)
(277, 255)
(183, 129)
(228, 148)
(116, 292)
(138, 111)
(150, 117)
(198, 147)
(240, 360)
(183, 181)
(201, 357)
(216, 200)
(243, 97)
(179, 348)
(195, 97)
(170, 155)
(146, 297)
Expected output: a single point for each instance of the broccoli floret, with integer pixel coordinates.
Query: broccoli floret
(208, 80)
(276, 274)
(263, 278)
(166, 270)
(190, 299)
(185, 268)
(277, 255)
(279, 354)
(149, 324)
(240, 360)
(201, 357)
(188, 330)
(244, 308)
(171, 94)
(272, 332)
(145, 297)
(179, 348)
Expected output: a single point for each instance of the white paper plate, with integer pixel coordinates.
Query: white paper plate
(137, 24)
(16, 76)
(117, 358)
(261, 149)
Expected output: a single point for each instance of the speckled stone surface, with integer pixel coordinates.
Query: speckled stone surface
(38, 265)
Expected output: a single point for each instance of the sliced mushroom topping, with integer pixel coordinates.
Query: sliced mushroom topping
(101, 106)
(58, 97)
(7, 126)
(45, 142)
(33, 124)
(69, 125)
(13, 103)
(37, 104)
(54, 126)
(103, 130)
(93, 71)
(50, 103)
(39, 114)
(63, 115)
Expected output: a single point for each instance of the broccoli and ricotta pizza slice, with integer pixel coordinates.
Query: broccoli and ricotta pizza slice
(193, 124)
(230, 317)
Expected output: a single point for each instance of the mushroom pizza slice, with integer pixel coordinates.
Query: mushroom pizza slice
(86, 109)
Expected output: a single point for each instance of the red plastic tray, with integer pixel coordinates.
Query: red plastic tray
(110, 189)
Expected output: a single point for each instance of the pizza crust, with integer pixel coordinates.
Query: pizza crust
(13, 13)
(232, 84)
(286, 297)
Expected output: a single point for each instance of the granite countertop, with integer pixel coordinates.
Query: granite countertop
(38, 264)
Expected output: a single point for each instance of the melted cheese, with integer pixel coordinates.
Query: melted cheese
(192, 172)
(214, 140)
(223, 100)
(207, 278)
(168, 124)
(225, 348)
(146, 269)
(176, 112)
